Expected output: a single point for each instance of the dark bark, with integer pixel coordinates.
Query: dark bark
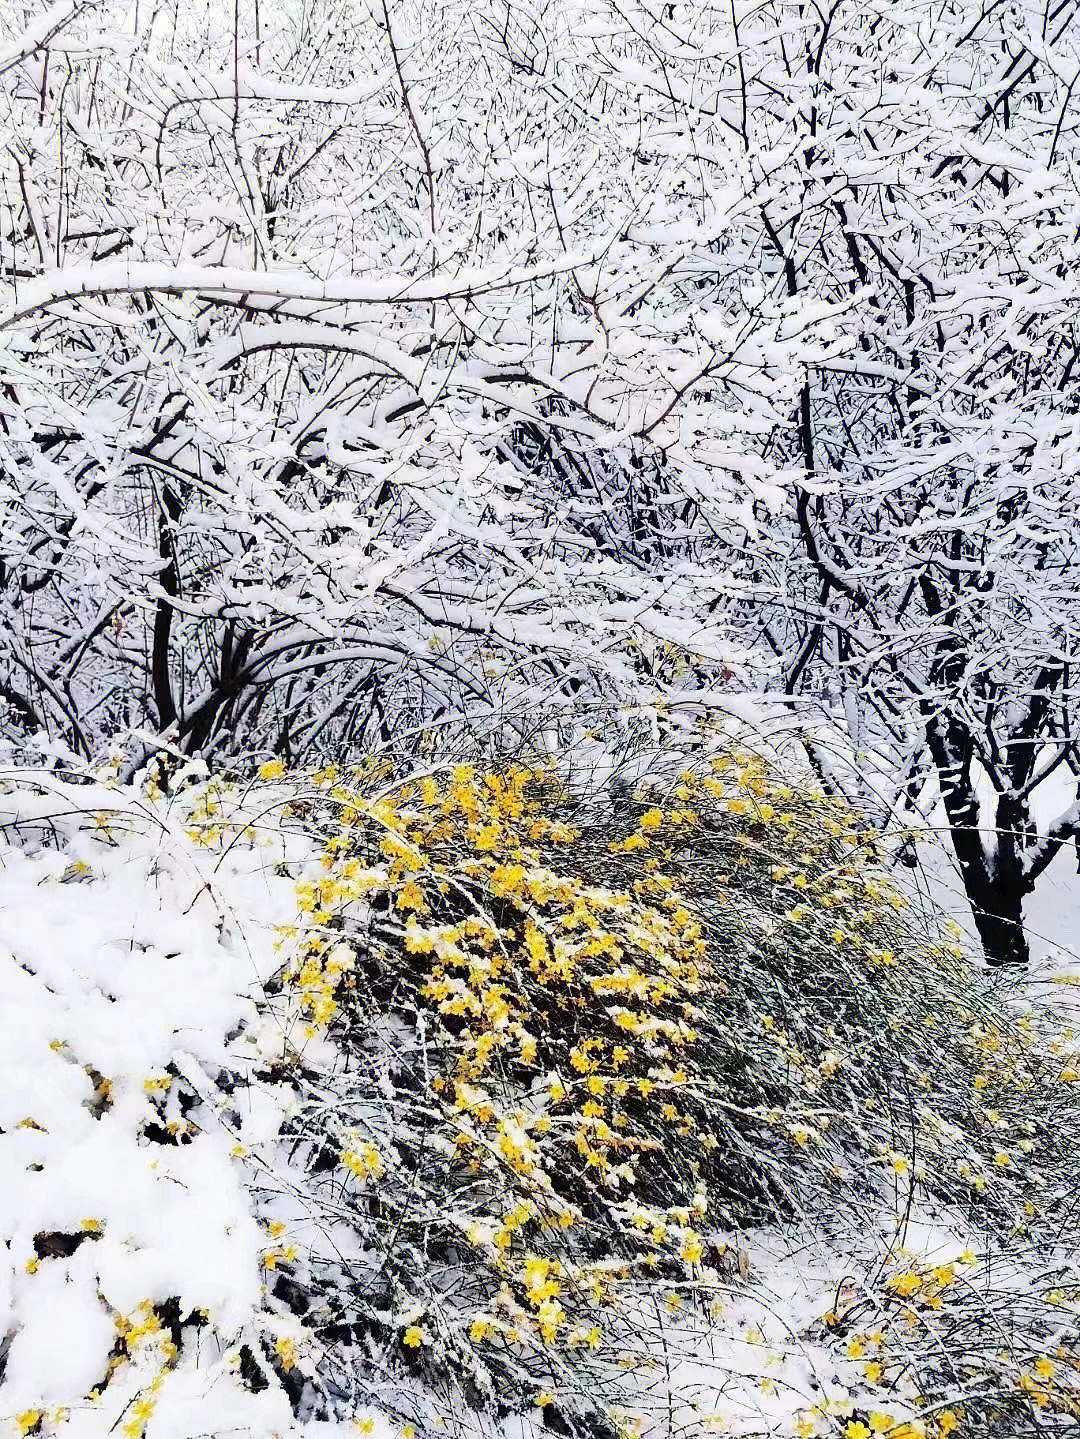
(994, 884)
(997, 908)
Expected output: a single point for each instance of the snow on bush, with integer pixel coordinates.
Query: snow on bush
(340, 1099)
(133, 1257)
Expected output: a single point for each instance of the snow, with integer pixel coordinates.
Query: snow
(124, 955)
(114, 277)
(133, 966)
(280, 303)
(47, 25)
(134, 963)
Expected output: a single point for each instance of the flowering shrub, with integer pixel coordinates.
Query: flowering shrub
(546, 1056)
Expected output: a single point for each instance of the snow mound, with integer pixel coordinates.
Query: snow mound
(132, 1267)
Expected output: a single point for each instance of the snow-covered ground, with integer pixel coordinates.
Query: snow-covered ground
(136, 1254)
(130, 956)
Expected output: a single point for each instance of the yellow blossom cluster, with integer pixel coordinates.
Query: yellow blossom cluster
(909, 1296)
(636, 1025)
(583, 994)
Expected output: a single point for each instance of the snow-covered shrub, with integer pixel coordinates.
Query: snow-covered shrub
(131, 1258)
(547, 1055)
(334, 1100)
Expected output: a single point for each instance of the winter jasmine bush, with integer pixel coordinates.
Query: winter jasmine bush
(548, 1054)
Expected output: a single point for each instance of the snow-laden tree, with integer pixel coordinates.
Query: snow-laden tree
(930, 569)
(369, 367)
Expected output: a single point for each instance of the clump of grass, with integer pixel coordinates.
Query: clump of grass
(557, 1049)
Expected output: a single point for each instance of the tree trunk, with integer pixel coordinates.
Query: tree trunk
(998, 913)
(995, 883)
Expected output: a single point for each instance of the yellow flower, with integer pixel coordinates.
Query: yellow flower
(1044, 1367)
(479, 1329)
(692, 1249)
(364, 1161)
(904, 1284)
(549, 1316)
(651, 820)
(413, 1337)
(880, 1423)
(535, 1273)
(272, 769)
(410, 897)
(507, 879)
(856, 1429)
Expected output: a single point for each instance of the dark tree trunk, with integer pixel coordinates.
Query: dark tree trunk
(995, 880)
(161, 679)
(998, 913)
